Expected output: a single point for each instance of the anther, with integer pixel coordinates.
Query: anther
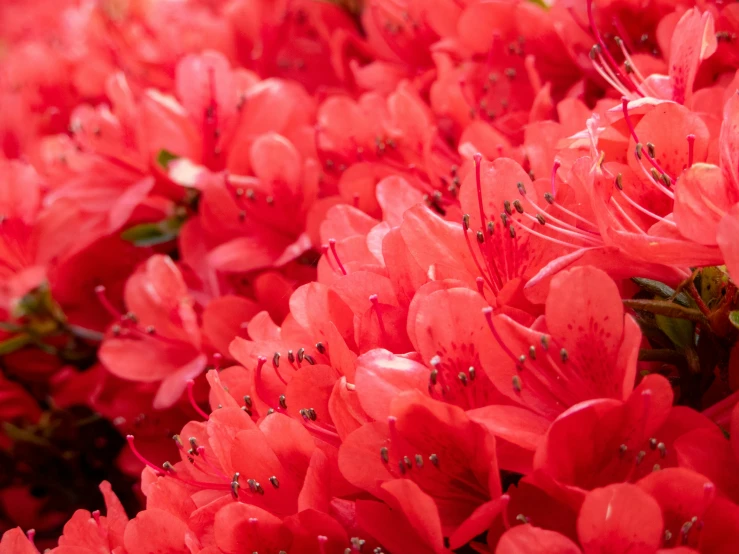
(655, 174)
(283, 403)
(522, 359)
(419, 460)
(516, 383)
(466, 222)
(290, 356)
(619, 182)
(662, 449)
(548, 197)
(653, 443)
(301, 354)
(512, 231)
(168, 467)
(309, 359)
(472, 373)
(518, 206)
(275, 482)
(480, 237)
(433, 376)
(564, 356)
(462, 376)
(691, 148)
(532, 352)
(651, 150)
(544, 342)
(401, 467)
(622, 450)
(321, 349)
(638, 150)
(656, 467)
(640, 456)
(521, 188)
(434, 459)
(507, 207)
(491, 228)
(247, 401)
(276, 359)
(193, 443)
(384, 456)
(540, 219)
(407, 462)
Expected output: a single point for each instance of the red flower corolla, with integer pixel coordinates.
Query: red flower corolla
(450, 341)
(709, 452)
(15, 541)
(584, 347)
(603, 441)
(159, 339)
(398, 134)
(399, 36)
(625, 205)
(408, 520)
(255, 222)
(91, 533)
(104, 168)
(32, 238)
(306, 42)
(495, 249)
(498, 81)
(450, 457)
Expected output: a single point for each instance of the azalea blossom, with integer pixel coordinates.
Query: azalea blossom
(388, 276)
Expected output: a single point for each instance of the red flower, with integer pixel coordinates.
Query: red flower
(583, 348)
(159, 340)
(607, 441)
(433, 444)
(16, 542)
(88, 533)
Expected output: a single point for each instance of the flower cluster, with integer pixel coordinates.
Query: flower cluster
(388, 276)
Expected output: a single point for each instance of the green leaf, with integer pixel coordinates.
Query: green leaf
(660, 289)
(149, 234)
(680, 331)
(734, 318)
(17, 434)
(164, 157)
(15, 343)
(665, 308)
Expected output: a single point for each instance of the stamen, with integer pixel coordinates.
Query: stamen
(191, 398)
(555, 167)
(478, 182)
(632, 130)
(691, 148)
(332, 246)
(488, 313)
(106, 303)
(143, 460)
(376, 306)
(611, 62)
